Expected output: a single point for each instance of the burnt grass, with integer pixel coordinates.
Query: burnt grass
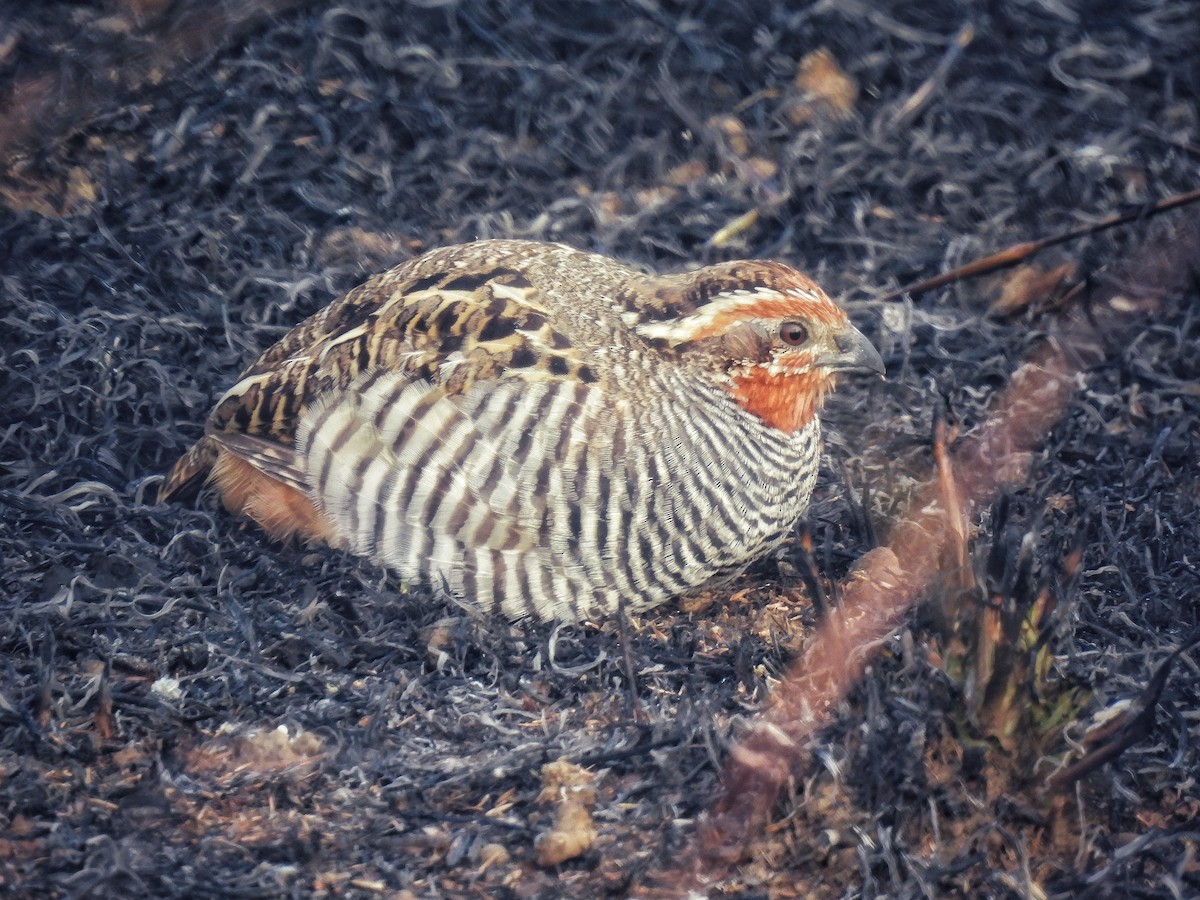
(155, 243)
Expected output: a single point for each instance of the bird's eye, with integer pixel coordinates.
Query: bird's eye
(793, 333)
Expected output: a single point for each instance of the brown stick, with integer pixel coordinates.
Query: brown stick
(1020, 252)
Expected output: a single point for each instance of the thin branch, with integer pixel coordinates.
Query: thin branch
(1020, 252)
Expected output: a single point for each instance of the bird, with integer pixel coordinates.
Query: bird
(536, 431)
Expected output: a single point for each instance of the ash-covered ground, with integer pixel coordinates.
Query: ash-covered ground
(189, 709)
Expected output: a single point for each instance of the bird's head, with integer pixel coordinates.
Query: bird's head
(773, 338)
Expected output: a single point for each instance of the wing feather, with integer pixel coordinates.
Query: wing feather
(429, 319)
(274, 460)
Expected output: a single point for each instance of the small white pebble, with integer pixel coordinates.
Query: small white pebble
(167, 688)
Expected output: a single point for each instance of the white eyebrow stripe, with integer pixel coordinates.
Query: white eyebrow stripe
(679, 330)
(802, 294)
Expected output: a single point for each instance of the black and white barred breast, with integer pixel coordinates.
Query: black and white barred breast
(548, 500)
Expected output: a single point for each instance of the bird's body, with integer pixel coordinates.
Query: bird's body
(539, 431)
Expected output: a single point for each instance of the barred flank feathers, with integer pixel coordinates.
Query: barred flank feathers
(512, 494)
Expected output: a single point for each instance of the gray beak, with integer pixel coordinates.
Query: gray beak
(854, 354)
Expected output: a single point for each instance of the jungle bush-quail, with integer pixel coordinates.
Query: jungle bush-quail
(539, 431)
